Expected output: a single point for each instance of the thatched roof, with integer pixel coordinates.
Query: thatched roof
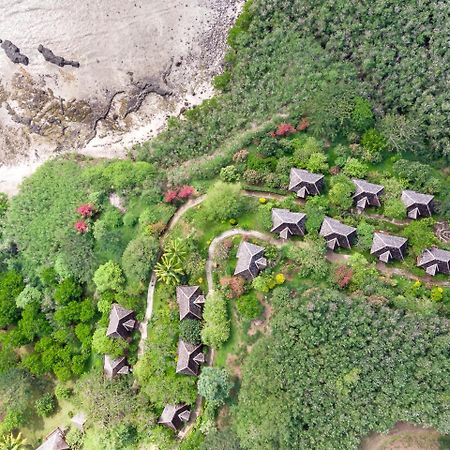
(190, 357)
(287, 223)
(417, 204)
(121, 322)
(336, 233)
(434, 261)
(363, 186)
(113, 367)
(305, 183)
(173, 416)
(250, 260)
(190, 301)
(54, 441)
(388, 247)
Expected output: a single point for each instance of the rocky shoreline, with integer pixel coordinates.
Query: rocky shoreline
(55, 105)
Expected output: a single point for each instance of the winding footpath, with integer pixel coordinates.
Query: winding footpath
(143, 326)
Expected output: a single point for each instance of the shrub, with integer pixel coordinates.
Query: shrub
(362, 115)
(86, 210)
(139, 257)
(249, 307)
(109, 276)
(224, 201)
(229, 174)
(63, 392)
(402, 133)
(280, 278)
(29, 295)
(190, 331)
(317, 162)
(216, 329)
(373, 141)
(214, 384)
(343, 276)
(262, 200)
(394, 208)
(232, 286)
(67, 291)
(355, 168)
(46, 405)
(341, 193)
(104, 345)
(263, 283)
(364, 232)
(252, 176)
(284, 129)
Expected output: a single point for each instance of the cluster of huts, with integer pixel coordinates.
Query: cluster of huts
(121, 324)
(385, 247)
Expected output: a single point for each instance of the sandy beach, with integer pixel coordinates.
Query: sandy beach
(139, 63)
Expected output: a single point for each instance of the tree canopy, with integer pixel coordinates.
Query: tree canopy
(335, 369)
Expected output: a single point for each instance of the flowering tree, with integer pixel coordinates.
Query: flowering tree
(303, 125)
(233, 286)
(81, 226)
(86, 210)
(283, 129)
(343, 276)
(170, 196)
(181, 194)
(185, 192)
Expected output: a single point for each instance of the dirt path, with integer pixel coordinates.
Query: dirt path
(143, 326)
(404, 436)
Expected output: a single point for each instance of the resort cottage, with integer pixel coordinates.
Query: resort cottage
(417, 204)
(366, 194)
(174, 416)
(434, 261)
(387, 247)
(121, 322)
(190, 302)
(337, 234)
(305, 183)
(250, 260)
(190, 356)
(287, 223)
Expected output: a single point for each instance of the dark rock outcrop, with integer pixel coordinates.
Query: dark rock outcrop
(58, 60)
(13, 53)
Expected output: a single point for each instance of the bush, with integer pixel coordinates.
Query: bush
(214, 384)
(109, 276)
(317, 163)
(46, 405)
(229, 174)
(63, 392)
(190, 331)
(104, 345)
(139, 257)
(355, 168)
(67, 291)
(249, 307)
(364, 232)
(362, 115)
(394, 208)
(216, 329)
(224, 201)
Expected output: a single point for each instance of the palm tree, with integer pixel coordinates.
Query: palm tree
(9, 442)
(176, 248)
(169, 270)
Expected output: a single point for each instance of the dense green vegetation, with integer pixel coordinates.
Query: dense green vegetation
(335, 369)
(341, 350)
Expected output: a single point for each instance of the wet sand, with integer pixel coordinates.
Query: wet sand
(140, 62)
